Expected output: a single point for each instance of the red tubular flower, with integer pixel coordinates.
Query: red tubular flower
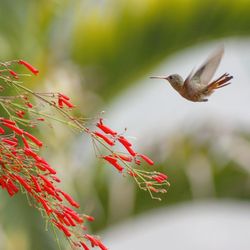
(41, 167)
(36, 184)
(55, 178)
(13, 73)
(14, 139)
(33, 138)
(42, 161)
(85, 247)
(105, 129)
(20, 113)
(73, 214)
(46, 182)
(64, 96)
(137, 162)
(62, 99)
(159, 177)
(62, 228)
(49, 190)
(23, 182)
(10, 142)
(57, 196)
(124, 141)
(146, 159)
(130, 150)
(26, 144)
(2, 181)
(10, 191)
(88, 217)
(45, 166)
(127, 145)
(7, 121)
(66, 222)
(12, 185)
(95, 242)
(113, 162)
(163, 176)
(105, 138)
(13, 128)
(68, 218)
(67, 103)
(110, 159)
(61, 218)
(11, 188)
(60, 103)
(29, 67)
(75, 217)
(101, 246)
(124, 157)
(50, 169)
(92, 239)
(29, 152)
(69, 199)
(45, 205)
(13, 151)
(132, 173)
(1, 131)
(29, 104)
(41, 119)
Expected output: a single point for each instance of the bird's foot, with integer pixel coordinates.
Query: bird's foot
(204, 100)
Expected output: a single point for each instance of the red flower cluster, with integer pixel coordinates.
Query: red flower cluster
(12, 74)
(29, 67)
(64, 100)
(23, 168)
(146, 180)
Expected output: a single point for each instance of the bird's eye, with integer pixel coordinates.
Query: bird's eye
(170, 77)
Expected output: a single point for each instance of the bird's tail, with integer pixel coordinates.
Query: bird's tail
(222, 81)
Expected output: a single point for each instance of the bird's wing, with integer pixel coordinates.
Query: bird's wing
(205, 72)
(189, 77)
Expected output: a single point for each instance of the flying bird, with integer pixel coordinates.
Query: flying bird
(197, 86)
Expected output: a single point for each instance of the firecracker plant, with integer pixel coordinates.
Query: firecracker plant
(22, 169)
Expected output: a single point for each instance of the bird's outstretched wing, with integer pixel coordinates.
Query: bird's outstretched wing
(206, 71)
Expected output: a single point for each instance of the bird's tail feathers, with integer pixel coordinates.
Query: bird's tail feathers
(222, 81)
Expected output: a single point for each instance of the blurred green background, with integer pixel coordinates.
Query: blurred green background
(93, 51)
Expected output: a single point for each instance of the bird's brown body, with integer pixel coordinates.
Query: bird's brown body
(198, 93)
(197, 86)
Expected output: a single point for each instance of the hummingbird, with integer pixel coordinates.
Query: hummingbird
(197, 86)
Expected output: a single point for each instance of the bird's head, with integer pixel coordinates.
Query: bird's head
(175, 80)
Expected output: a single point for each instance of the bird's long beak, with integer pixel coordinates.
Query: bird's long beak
(159, 77)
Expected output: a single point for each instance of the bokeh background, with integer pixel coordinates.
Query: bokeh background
(102, 53)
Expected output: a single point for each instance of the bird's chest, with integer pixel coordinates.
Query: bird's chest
(192, 92)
